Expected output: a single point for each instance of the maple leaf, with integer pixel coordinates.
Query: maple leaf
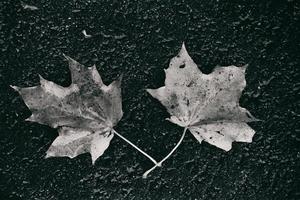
(205, 104)
(84, 113)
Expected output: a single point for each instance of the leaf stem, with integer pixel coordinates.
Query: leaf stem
(165, 158)
(137, 148)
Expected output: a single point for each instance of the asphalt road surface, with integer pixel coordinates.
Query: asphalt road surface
(138, 39)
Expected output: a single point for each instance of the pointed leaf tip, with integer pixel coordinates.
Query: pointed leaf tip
(183, 45)
(117, 82)
(69, 59)
(151, 91)
(49, 155)
(42, 80)
(183, 48)
(16, 88)
(30, 119)
(244, 67)
(184, 53)
(93, 67)
(65, 56)
(99, 144)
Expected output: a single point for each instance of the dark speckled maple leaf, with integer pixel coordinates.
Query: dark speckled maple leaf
(84, 113)
(205, 104)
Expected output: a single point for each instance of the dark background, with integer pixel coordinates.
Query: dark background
(138, 38)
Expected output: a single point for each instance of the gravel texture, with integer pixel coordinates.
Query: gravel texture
(138, 39)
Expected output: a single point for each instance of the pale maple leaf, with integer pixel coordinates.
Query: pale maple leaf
(205, 104)
(84, 113)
